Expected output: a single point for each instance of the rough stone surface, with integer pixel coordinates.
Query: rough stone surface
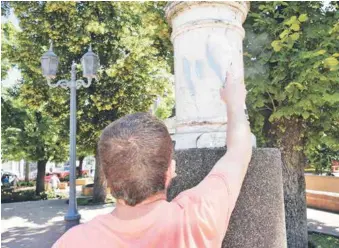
(258, 219)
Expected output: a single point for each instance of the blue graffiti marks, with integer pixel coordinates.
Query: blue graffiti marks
(199, 68)
(188, 76)
(213, 63)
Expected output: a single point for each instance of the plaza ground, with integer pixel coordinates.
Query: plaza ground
(40, 223)
(323, 222)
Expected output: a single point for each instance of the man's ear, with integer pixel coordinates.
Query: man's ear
(170, 174)
(173, 168)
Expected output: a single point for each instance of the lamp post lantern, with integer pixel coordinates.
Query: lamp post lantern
(90, 64)
(49, 63)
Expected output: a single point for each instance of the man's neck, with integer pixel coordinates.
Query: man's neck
(125, 212)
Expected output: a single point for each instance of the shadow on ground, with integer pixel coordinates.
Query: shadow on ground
(318, 226)
(40, 212)
(37, 212)
(24, 237)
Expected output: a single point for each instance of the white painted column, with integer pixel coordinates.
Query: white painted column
(207, 38)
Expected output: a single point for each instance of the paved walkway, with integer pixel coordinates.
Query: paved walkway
(323, 222)
(40, 223)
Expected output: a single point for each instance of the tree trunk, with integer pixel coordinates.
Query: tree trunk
(100, 184)
(81, 160)
(40, 179)
(291, 144)
(26, 171)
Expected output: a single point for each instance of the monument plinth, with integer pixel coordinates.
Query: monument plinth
(258, 219)
(207, 38)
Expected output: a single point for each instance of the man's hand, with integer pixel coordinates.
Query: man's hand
(234, 93)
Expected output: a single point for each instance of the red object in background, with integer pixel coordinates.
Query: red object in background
(335, 166)
(48, 177)
(84, 172)
(63, 174)
(60, 175)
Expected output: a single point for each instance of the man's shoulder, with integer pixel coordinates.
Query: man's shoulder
(80, 234)
(89, 225)
(71, 237)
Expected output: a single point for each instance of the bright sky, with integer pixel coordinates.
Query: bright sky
(13, 73)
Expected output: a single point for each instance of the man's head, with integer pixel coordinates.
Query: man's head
(136, 155)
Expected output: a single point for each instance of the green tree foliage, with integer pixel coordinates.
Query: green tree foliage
(7, 35)
(164, 110)
(293, 70)
(128, 37)
(292, 73)
(30, 134)
(132, 41)
(10, 136)
(322, 159)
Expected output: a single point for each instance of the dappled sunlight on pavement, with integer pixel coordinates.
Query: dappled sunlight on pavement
(39, 223)
(323, 222)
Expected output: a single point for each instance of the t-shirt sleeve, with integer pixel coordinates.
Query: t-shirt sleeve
(60, 243)
(208, 205)
(71, 238)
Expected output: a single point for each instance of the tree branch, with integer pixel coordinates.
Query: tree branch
(274, 108)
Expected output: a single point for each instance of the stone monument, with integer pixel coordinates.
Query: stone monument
(207, 38)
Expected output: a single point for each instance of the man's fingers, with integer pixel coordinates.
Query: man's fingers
(228, 79)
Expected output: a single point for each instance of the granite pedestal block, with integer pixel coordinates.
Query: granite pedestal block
(258, 219)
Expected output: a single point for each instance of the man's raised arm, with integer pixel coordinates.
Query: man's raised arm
(235, 162)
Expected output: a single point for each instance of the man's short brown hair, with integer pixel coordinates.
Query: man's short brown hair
(135, 153)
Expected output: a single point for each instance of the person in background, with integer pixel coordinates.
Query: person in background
(15, 181)
(136, 156)
(54, 182)
(5, 180)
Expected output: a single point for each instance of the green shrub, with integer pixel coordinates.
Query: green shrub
(322, 241)
(9, 195)
(83, 176)
(6, 194)
(26, 195)
(18, 196)
(21, 184)
(50, 194)
(309, 170)
(26, 184)
(31, 183)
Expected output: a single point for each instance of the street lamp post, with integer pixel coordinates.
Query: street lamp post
(90, 64)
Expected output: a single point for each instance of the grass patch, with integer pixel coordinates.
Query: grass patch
(9, 195)
(317, 240)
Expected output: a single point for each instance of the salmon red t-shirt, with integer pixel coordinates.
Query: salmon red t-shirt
(197, 217)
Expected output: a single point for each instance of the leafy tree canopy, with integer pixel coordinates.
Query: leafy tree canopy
(132, 41)
(292, 71)
(29, 134)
